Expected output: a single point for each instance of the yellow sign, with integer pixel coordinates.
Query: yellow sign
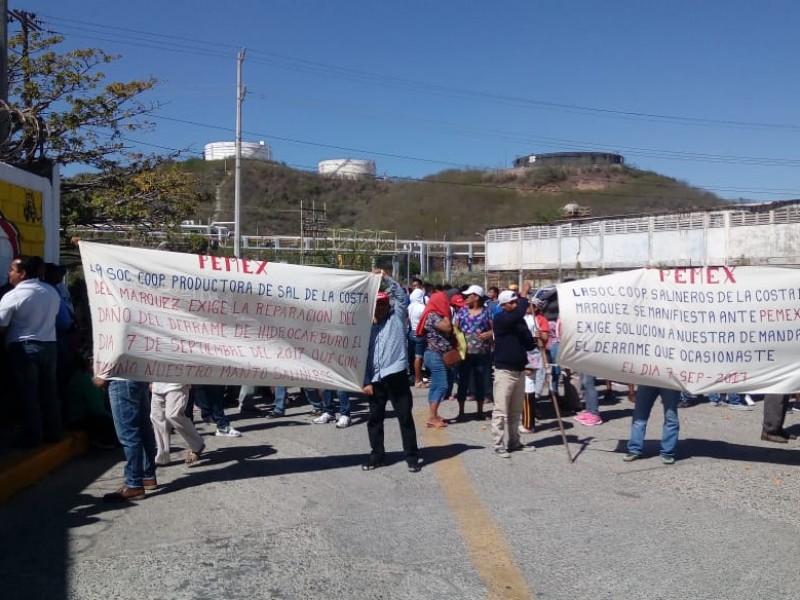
(22, 208)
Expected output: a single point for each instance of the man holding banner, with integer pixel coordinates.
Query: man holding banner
(385, 378)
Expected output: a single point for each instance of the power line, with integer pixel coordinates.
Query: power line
(320, 68)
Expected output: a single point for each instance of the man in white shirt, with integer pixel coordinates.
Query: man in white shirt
(28, 316)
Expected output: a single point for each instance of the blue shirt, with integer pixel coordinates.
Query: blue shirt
(388, 350)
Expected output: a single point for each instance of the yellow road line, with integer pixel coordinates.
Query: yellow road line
(486, 545)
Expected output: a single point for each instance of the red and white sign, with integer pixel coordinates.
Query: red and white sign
(698, 329)
(167, 316)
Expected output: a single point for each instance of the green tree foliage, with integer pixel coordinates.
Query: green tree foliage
(86, 116)
(159, 193)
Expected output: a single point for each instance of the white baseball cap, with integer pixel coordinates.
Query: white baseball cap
(506, 296)
(473, 289)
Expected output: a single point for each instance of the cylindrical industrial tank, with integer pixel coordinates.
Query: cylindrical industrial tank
(347, 168)
(222, 150)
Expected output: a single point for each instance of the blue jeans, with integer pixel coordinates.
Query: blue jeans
(590, 397)
(130, 407)
(32, 364)
(645, 399)
(279, 408)
(208, 398)
(733, 398)
(343, 398)
(441, 377)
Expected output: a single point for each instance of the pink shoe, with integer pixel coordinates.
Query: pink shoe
(591, 420)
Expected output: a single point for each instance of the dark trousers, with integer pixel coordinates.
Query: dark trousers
(33, 367)
(210, 401)
(396, 388)
(775, 406)
(472, 375)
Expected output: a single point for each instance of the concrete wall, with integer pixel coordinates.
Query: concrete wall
(753, 234)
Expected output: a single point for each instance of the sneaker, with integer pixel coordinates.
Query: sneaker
(125, 494)
(590, 420)
(324, 418)
(668, 460)
(795, 409)
(749, 401)
(631, 456)
(316, 411)
(502, 452)
(739, 407)
(344, 421)
(274, 415)
(248, 409)
(717, 403)
(227, 432)
(162, 459)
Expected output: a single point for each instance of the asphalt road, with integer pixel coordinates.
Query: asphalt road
(285, 511)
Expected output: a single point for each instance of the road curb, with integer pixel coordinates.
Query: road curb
(23, 471)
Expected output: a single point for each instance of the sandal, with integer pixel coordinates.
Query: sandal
(437, 424)
(421, 384)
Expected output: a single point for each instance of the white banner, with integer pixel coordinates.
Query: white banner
(698, 329)
(165, 316)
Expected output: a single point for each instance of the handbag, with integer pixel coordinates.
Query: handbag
(462, 342)
(451, 358)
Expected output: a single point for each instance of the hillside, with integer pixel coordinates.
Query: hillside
(448, 205)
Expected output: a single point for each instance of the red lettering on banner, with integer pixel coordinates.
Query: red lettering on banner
(235, 265)
(691, 275)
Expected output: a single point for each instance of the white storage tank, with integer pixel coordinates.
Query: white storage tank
(347, 168)
(222, 150)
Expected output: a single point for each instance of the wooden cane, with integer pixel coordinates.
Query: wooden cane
(553, 397)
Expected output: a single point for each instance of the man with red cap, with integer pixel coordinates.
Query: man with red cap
(385, 376)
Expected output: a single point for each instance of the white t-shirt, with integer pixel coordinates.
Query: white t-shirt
(29, 312)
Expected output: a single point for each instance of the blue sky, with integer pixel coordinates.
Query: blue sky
(705, 92)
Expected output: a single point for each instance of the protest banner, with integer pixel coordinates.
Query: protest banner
(698, 329)
(167, 316)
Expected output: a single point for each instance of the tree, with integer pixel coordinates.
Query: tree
(155, 191)
(85, 115)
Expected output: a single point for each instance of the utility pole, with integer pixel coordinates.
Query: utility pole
(237, 188)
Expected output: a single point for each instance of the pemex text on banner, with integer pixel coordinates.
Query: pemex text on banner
(174, 317)
(698, 329)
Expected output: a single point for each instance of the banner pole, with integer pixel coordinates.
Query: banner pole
(553, 398)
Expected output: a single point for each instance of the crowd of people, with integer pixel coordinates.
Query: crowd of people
(488, 347)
